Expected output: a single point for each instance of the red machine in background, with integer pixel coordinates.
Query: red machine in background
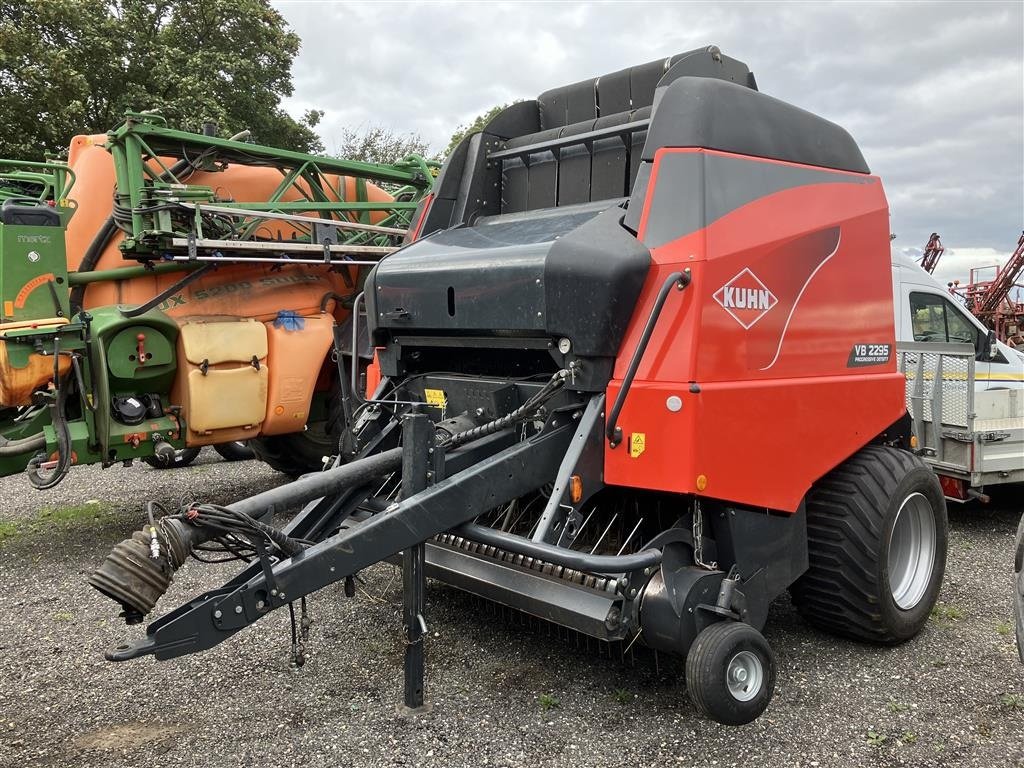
(990, 300)
(932, 253)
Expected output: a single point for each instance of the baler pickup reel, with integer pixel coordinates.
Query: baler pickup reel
(390, 502)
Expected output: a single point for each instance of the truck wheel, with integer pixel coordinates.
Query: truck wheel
(730, 673)
(238, 450)
(294, 454)
(182, 458)
(877, 536)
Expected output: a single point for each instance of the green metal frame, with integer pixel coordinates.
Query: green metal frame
(155, 205)
(54, 180)
(149, 187)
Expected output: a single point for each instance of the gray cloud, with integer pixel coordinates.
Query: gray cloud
(934, 93)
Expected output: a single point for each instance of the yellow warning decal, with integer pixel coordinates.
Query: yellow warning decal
(436, 397)
(637, 444)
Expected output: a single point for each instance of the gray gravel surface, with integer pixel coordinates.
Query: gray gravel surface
(503, 693)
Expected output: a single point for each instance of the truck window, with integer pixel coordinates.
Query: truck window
(934, 318)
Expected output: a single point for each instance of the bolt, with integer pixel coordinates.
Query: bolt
(632, 593)
(238, 609)
(739, 675)
(217, 614)
(260, 605)
(273, 592)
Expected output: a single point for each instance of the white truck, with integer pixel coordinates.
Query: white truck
(965, 389)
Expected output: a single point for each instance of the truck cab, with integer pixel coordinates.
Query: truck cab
(927, 313)
(964, 388)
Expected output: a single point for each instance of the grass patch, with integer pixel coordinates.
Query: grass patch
(7, 531)
(876, 739)
(72, 514)
(623, 696)
(547, 701)
(895, 707)
(1012, 701)
(946, 614)
(49, 518)
(1004, 628)
(908, 737)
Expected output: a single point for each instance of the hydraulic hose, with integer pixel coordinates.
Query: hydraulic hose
(14, 447)
(46, 479)
(109, 228)
(567, 558)
(136, 577)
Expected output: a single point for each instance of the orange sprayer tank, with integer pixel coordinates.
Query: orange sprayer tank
(255, 291)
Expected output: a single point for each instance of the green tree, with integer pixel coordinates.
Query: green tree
(377, 144)
(75, 66)
(477, 125)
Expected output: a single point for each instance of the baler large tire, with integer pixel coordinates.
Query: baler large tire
(877, 537)
(730, 673)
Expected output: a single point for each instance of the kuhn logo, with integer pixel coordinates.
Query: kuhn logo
(746, 298)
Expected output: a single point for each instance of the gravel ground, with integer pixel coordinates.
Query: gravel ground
(503, 693)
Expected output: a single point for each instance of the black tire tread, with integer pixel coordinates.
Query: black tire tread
(294, 454)
(234, 452)
(703, 671)
(839, 591)
(189, 455)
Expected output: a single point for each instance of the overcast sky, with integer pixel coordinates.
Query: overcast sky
(933, 93)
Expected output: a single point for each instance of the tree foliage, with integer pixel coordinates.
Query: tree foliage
(75, 66)
(477, 125)
(377, 144)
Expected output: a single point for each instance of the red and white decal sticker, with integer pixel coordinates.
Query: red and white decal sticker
(746, 298)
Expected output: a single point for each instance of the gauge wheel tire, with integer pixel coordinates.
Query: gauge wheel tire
(730, 673)
(877, 537)
(182, 458)
(238, 450)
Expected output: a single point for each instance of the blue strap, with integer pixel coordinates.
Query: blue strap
(289, 320)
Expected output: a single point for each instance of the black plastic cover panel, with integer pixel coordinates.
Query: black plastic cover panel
(571, 271)
(633, 88)
(594, 275)
(716, 114)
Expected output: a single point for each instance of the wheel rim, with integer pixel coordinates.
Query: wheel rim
(911, 551)
(744, 676)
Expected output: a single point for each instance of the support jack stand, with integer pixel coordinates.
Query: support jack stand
(418, 438)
